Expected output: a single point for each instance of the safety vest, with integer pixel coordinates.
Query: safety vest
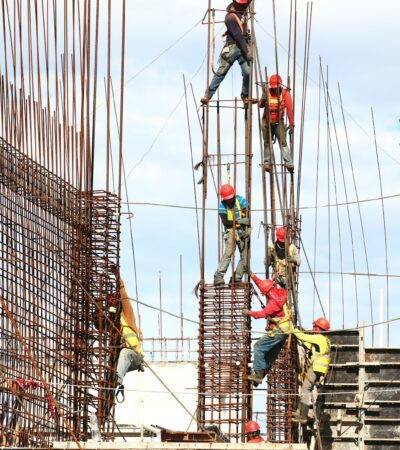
(130, 338)
(277, 105)
(284, 324)
(280, 265)
(320, 353)
(231, 210)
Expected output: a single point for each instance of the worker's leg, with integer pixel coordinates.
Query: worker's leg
(267, 149)
(281, 135)
(273, 352)
(244, 66)
(300, 415)
(227, 57)
(128, 360)
(266, 350)
(230, 246)
(243, 245)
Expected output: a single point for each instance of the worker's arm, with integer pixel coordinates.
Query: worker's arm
(312, 338)
(294, 257)
(271, 308)
(127, 310)
(289, 107)
(234, 29)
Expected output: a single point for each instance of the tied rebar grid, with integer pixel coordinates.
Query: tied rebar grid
(56, 248)
(282, 385)
(224, 357)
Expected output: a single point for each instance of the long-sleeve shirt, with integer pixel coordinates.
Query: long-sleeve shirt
(277, 299)
(320, 347)
(226, 214)
(234, 33)
(278, 106)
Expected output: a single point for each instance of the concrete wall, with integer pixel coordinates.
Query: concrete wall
(147, 401)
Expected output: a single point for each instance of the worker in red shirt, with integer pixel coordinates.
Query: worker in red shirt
(253, 432)
(279, 100)
(279, 317)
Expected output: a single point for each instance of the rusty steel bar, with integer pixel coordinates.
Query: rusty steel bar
(224, 359)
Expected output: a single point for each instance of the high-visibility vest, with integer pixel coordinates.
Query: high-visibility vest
(277, 105)
(284, 323)
(230, 212)
(280, 265)
(320, 351)
(130, 338)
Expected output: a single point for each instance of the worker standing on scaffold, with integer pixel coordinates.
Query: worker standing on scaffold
(319, 346)
(279, 259)
(232, 211)
(236, 48)
(279, 325)
(279, 100)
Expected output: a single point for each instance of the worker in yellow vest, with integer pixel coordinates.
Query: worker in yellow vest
(278, 257)
(131, 355)
(320, 347)
(232, 212)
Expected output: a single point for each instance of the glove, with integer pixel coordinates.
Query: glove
(249, 57)
(292, 259)
(290, 128)
(245, 312)
(244, 221)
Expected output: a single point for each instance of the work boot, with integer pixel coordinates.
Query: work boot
(267, 167)
(205, 99)
(300, 415)
(218, 281)
(289, 167)
(257, 376)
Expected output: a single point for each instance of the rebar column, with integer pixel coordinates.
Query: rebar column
(224, 396)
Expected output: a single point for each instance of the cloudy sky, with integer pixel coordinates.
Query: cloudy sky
(357, 43)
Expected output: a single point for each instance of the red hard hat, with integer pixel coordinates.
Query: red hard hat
(227, 191)
(252, 426)
(242, 2)
(275, 81)
(280, 234)
(322, 323)
(265, 286)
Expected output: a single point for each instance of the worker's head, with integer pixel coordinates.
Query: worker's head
(321, 324)
(265, 286)
(240, 5)
(252, 429)
(275, 81)
(227, 192)
(280, 234)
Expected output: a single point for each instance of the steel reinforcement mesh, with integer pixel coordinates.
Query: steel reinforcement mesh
(281, 395)
(58, 247)
(224, 356)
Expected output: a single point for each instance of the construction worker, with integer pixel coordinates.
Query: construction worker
(275, 101)
(232, 211)
(279, 318)
(236, 48)
(131, 355)
(278, 257)
(253, 432)
(320, 347)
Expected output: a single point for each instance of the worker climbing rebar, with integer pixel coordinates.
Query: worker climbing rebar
(276, 100)
(232, 211)
(237, 47)
(320, 347)
(131, 355)
(281, 256)
(279, 317)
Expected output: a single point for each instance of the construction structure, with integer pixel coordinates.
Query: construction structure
(60, 253)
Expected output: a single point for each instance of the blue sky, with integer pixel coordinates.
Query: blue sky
(358, 44)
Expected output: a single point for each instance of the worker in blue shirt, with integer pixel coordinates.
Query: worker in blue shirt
(236, 48)
(232, 211)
